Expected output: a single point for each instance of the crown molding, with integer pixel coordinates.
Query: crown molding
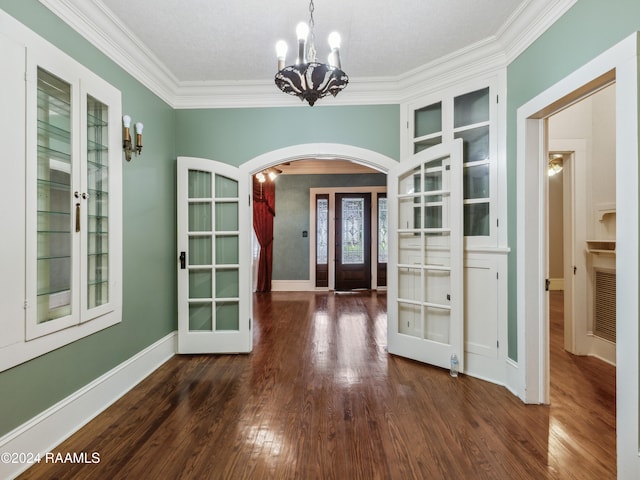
(528, 22)
(94, 21)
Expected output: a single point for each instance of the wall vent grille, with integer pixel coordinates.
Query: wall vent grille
(605, 304)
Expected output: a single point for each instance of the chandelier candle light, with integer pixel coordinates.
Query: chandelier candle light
(308, 79)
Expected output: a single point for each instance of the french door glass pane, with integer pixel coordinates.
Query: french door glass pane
(226, 187)
(54, 202)
(352, 230)
(200, 284)
(228, 316)
(97, 202)
(227, 250)
(436, 286)
(227, 217)
(409, 282)
(200, 251)
(199, 184)
(437, 324)
(227, 283)
(200, 217)
(200, 317)
(410, 319)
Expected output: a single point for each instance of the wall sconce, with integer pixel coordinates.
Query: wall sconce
(126, 143)
(271, 173)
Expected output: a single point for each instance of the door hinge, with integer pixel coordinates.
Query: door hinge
(448, 296)
(497, 343)
(497, 98)
(26, 305)
(249, 323)
(575, 269)
(497, 223)
(547, 284)
(497, 275)
(249, 199)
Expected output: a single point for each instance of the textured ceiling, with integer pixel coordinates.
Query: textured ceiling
(216, 40)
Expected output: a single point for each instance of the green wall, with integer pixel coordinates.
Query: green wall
(588, 29)
(290, 248)
(149, 300)
(237, 135)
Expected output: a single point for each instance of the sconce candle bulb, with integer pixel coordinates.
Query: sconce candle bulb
(126, 140)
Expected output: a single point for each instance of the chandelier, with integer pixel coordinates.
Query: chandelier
(309, 79)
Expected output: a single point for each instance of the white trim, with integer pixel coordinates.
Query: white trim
(95, 22)
(48, 429)
(292, 286)
(375, 191)
(531, 166)
(321, 151)
(25, 343)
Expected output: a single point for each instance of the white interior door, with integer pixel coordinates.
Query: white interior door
(425, 312)
(214, 285)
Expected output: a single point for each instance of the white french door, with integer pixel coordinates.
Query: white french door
(214, 287)
(425, 312)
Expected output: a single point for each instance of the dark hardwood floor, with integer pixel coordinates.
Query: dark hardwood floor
(320, 398)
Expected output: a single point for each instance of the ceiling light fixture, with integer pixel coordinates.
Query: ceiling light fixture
(555, 164)
(308, 79)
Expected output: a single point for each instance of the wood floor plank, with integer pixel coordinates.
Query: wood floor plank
(320, 398)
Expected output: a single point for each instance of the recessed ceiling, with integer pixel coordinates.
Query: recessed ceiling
(209, 40)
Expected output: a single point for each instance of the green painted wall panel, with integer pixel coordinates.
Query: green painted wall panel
(588, 29)
(149, 245)
(237, 135)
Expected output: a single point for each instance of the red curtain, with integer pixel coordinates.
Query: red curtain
(264, 209)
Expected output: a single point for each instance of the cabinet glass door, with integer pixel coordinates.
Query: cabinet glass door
(471, 117)
(97, 201)
(55, 209)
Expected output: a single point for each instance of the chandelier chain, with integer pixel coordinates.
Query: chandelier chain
(312, 42)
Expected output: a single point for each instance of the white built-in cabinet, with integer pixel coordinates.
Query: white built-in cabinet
(64, 208)
(473, 112)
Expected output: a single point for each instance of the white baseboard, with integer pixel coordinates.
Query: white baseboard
(292, 286)
(43, 432)
(556, 284)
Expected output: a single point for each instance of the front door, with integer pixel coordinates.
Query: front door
(214, 287)
(425, 308)
(353, 241)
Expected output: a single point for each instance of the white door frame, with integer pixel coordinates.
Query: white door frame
(322, 151)
(313, 237)
(575, 227)
(533, 336)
